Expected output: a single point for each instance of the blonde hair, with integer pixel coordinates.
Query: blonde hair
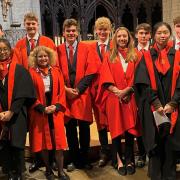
(33, 56)
(131, 53)
(31, 16)
(103, 22)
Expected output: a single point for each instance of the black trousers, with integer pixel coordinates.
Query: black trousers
(162, 162)
(140, 145)
(103, 138)
(13, 159)
(129, 148)
(78, 147)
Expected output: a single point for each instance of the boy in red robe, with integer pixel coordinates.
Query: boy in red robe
(32, 39)
(79, 67)
(102, 30)
(22, 50)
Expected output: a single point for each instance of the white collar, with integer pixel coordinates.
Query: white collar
(36, 37)
(106, 42)
(73, 45)
(145, 48)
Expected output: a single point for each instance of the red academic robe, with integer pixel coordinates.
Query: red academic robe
(21, 50)
(121, 116)
(81, 107)
(100, 117)
(39, 132)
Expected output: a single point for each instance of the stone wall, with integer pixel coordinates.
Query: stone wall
(171, 9)
(17, 11)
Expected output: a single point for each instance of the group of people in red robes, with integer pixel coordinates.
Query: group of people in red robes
(131, 91)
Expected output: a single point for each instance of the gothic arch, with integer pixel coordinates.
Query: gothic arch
(107, 5)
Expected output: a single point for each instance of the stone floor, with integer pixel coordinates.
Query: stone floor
(106, 173)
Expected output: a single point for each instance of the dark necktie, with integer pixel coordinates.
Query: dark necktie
(71, 54)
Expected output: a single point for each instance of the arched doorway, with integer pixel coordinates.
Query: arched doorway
(127, 18)
(99, 12)
(156, 14)
(142, 15)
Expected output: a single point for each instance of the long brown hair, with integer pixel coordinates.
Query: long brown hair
(131, 53)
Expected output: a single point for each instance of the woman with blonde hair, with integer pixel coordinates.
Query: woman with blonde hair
(46, 126)
(116, 87)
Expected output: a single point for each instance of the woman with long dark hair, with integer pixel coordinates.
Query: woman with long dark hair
(158, 87)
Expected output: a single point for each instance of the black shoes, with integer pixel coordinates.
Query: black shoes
(63, 176)
(127, 170)
(13, 176)
(49, 175)
(71, 167)
(122, 170)
(141, 162)
(103, 160)
(34, 166)
(130, 168)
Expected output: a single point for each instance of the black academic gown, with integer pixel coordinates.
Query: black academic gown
(145, 96)
(23, 96)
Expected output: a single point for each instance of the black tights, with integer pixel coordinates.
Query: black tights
(129, 148)
(59, 160)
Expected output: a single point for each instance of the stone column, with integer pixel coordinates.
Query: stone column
(171, 9)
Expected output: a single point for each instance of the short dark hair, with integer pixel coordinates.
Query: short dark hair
(159, 24)
(70, 22)
(144, 26)
(6, 42)
(176, 20)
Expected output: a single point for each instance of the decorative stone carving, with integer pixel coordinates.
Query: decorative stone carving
(5, 4)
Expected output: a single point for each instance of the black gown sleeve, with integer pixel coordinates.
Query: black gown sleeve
(142, 85)
(85, 82)
(17, 105)
(176, 97)
(40, 108)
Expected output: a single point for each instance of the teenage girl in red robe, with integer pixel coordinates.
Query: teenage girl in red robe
(46, 127)
(116, 97)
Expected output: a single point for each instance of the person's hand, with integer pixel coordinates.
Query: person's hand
(126, 99)
(71, 93)
(168, 109)
(50, 109)
(160, 110)
(6, 115)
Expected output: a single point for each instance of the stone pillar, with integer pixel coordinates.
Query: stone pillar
(171, 9)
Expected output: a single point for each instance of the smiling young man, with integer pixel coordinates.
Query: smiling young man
(22, 50)
(79, 67)
(32, 39)
(103, 44)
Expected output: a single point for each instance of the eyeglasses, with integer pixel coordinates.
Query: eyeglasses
(4, 49)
